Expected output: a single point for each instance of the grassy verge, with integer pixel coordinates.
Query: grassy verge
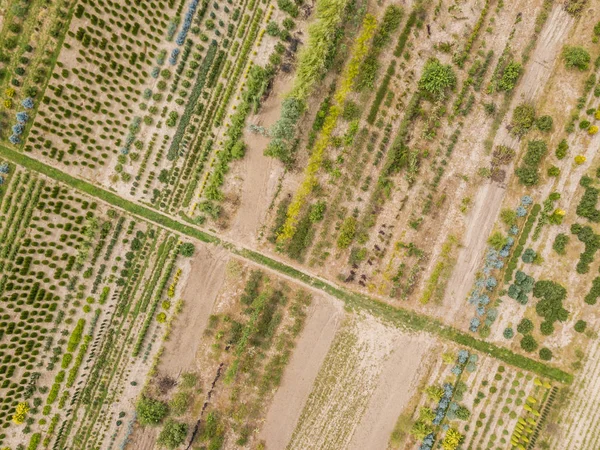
(397, 316)
(107, 196)
(413, 320)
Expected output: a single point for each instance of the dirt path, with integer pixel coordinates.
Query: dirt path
(480, 223)
(397, 383)
(489, 199)
(204, 283)
(322, 323)
(260, 173)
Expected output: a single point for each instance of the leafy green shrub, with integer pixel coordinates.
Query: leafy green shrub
(508, 333)
(525, 326)
(576, 58)
(545, 354)
(580, 326)
(508, 216)
(76, 335)
(437, 79)
(173, 434)
(528, 175)
(592, 297)
(523, 119)
(560, 243)
(592, 242)
(536, 150)
(510, 76)
(347, 232)
(587, 205)
(150, 411)
(317, 211)
(544, 123)
(528, 256)
(289, 7)
(561, 150)
(528, 343)
(551, 295)
(553, 171)
(497, 240)
(522, 286)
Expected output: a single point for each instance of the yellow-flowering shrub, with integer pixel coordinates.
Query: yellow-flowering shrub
(20, 413)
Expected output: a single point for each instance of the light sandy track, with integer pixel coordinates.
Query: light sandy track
(206, 278)
(323, 321)
(259, 173)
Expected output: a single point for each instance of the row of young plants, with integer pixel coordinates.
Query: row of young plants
(358, 53)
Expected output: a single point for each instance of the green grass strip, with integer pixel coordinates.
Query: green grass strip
(397, 316)
(413, 320)
(107, 196)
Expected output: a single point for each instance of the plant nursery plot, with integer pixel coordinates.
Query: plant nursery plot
(474, 402)
(76, 276)
(270, 224)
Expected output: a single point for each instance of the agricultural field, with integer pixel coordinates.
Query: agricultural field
(299, 224)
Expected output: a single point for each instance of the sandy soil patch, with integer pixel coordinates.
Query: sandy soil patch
(206, 278)
(356, 376)
(322, 323)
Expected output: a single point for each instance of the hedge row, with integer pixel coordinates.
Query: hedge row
(192, 100)
(380, 95)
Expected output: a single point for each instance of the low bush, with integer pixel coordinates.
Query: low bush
(523, 119)
(576, 58)
(580, 326)
(150, 411)
(545, 354)
(560, 243)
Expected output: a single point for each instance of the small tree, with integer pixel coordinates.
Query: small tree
(576, 58)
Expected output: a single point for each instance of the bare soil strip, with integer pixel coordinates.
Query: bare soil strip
(323, 322)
